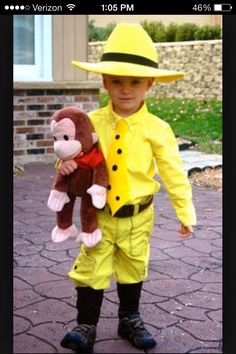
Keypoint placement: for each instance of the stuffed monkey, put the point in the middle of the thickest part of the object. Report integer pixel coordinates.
(74, 138)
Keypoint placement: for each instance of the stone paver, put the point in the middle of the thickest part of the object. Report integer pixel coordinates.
(196, 159)
(181, 302)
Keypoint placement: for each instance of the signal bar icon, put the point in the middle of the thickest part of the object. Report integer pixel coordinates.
(70, 6)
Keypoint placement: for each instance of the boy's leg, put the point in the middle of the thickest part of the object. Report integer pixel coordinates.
(89, 302)
(131, 325)
(91, 274)
(83, 336)
(130, 269)
(129, 296)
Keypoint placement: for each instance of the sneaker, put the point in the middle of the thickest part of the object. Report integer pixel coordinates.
(81, 339)
(132, 328)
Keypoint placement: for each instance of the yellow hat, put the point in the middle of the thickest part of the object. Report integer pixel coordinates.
(129, 51)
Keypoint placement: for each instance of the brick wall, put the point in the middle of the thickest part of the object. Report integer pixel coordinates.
(33, 109)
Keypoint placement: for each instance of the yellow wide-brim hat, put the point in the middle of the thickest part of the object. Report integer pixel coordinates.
(129, 51)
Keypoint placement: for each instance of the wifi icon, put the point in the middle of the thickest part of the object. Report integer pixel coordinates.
(70, 6)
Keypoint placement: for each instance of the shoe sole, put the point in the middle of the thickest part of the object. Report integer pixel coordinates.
(144, 346)
(74, 345)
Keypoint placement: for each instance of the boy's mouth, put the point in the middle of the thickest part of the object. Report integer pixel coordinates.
(125, 98)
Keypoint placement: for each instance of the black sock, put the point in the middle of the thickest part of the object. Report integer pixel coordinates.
(89, 302)
(129, 296)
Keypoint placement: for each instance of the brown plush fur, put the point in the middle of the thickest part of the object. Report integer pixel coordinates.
(77, 183)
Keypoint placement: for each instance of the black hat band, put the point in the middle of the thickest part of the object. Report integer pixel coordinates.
(129, 58)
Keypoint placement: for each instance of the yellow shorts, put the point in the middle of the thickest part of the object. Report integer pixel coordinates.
(123, 252)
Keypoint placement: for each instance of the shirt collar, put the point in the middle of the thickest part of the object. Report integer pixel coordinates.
(131, 120)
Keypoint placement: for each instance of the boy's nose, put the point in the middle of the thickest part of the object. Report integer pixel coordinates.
(126, 88)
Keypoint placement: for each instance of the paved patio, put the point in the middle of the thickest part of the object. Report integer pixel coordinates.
(182, 298)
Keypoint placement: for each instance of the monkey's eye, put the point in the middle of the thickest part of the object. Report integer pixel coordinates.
(66, 137)
(55, 139)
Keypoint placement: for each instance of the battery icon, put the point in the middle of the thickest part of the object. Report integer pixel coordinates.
(222, 7)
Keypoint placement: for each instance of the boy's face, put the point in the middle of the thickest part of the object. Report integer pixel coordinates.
(126, 92)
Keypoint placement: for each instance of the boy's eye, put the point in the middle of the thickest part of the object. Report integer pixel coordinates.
(135, 82)
(115, 82)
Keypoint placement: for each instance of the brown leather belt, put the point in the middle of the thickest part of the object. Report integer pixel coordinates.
(130, 209)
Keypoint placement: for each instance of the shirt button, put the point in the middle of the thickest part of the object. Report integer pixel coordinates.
(119, 151)
(117, 197)
(109, 187)
(117, 136)
(114, 167)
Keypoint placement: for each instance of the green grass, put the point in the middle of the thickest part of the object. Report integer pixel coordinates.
(198, 121)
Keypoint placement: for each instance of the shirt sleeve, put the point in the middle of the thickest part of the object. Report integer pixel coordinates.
(171, 171)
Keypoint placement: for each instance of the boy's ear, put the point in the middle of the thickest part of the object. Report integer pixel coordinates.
(104, 82)
(150, 83)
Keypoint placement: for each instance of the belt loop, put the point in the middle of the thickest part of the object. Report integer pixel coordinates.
(136, 209)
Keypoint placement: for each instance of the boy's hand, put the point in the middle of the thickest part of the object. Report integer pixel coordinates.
(185, 231)
(67, 167)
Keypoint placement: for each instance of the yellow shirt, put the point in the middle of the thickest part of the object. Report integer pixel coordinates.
(150, 146)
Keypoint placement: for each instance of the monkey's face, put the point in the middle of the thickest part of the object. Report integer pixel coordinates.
(65, 145)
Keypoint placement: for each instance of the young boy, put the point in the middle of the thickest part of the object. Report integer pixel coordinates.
(134, 142)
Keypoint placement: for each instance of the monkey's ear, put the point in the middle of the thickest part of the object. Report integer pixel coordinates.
(94, 137)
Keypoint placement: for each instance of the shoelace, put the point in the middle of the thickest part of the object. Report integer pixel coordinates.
(137, 323)
(82, 328)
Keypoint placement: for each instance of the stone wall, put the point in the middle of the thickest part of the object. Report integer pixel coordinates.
(33, 109)
(200, 60)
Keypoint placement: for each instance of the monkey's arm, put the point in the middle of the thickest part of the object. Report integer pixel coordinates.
(58, 196)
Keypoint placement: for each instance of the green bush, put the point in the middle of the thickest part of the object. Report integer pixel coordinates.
(155, 29)
(160, 32)
(171, 32)
(99, 33)
(185, 32)
(109, 28)
(208, 32)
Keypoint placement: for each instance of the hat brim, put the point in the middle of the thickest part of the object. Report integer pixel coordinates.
(130, 69)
